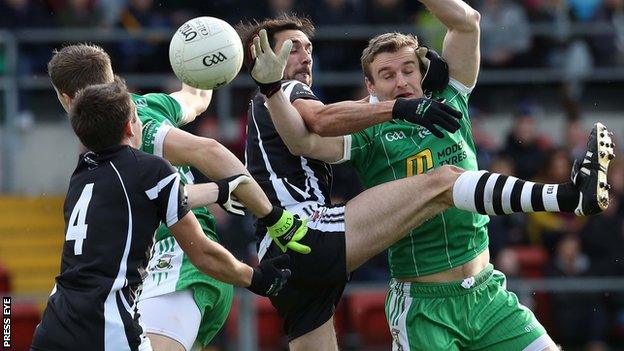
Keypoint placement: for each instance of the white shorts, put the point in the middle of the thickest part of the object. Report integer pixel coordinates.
(174, 315)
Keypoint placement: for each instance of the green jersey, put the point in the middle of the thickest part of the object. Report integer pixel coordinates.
(159, 113)
(398, 149)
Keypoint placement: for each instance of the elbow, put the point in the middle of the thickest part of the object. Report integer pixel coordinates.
(206, 98)
(202, 149)
(473, 20)
(211, 148)
(297, 150)
(467, 21)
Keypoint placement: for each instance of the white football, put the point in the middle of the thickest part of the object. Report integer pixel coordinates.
(206, 53)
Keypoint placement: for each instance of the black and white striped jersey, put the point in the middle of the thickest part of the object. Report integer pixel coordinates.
(292, 182)
(115, 202)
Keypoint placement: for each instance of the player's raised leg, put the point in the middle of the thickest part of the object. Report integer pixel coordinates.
(587, 193)
(380, 216)
(383, 214)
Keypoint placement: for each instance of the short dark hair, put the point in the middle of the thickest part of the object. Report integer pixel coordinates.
(75, 67)
(99, 114)
(248, 30)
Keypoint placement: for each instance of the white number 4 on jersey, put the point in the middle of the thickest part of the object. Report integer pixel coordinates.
(77, 226)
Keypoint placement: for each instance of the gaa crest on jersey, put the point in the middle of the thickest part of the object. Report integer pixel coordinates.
(423, 132)
(163, 263)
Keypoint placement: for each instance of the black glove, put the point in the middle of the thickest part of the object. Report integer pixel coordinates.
(436, 75)
(270, 276)
(427, 113)
(225, 199)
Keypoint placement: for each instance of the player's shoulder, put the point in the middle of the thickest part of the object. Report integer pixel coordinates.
(152, 99)
(455, 87)
(295, 89)
(147, 162)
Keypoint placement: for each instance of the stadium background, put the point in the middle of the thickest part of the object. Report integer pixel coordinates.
(550, 68)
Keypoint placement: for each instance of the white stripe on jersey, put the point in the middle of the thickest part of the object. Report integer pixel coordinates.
(114, 332)
(283, 196)
(313, 181)
(153, 192)
(172, 205)
(328, 219)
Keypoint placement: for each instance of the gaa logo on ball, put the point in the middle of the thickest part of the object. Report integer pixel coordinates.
(206, 53)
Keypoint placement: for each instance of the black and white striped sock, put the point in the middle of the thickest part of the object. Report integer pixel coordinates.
(496, 194)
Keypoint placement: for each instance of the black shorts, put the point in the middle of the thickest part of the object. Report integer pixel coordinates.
(318, 279)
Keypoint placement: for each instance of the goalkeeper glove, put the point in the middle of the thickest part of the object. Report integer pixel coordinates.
(270, 276)
(225, 199)
(427, 113)
(267, 68)
(436, 73)
(288, 230)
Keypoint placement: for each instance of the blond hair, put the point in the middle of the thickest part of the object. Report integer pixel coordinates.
(388, 42)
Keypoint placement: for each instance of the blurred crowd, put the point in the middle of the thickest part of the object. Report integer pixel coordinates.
(508, 38)
(515, 34)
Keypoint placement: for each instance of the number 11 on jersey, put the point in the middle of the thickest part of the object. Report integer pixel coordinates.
(77, 226)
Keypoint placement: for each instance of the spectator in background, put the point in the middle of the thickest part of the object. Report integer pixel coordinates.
(615, 13)
(26, 14)
(548, 228)
(277, 7)
(549, 48)
(524, 145)
(617, 183)
(572, 312)
(584, 10)
(484, 143)
(575, 138)
(505, 231)
(603, 236)
(33, 58)
(80, 13)
(23, 14)
(387, 12)
(508, 263)
(139, 55)
(505, 34)
(603, 240)
(338, 54)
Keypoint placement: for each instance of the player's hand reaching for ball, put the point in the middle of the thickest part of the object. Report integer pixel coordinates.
(268, 68)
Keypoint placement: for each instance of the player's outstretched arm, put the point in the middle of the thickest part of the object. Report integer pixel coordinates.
(295, 134)
(336, 119)
(461, 43)
(219, 192)
(214, 260)
(216, 162)
(193, 101)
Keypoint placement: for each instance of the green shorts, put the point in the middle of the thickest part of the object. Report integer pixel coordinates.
(170, 270)
(477, 313)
